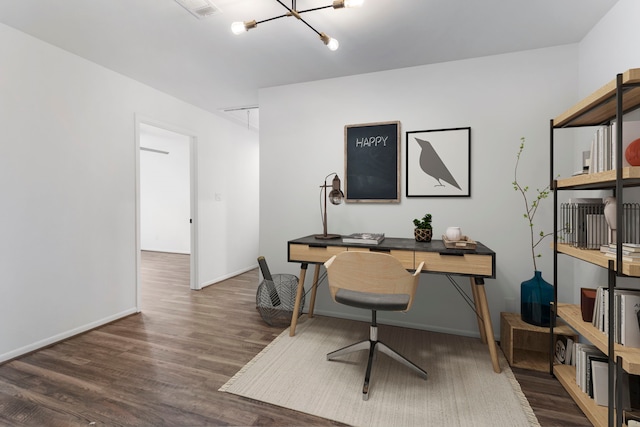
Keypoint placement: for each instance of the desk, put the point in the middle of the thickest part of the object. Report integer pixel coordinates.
(476, 264)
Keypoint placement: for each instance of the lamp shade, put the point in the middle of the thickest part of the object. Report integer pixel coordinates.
(336, 195)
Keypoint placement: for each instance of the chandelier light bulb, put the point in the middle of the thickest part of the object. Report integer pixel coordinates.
(242, 27)
(333, 44)
(238, 28)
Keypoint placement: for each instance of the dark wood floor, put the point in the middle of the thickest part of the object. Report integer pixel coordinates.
(165, 365)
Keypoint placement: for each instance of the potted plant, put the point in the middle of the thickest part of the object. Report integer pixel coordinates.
(536, 293)
(423, 231)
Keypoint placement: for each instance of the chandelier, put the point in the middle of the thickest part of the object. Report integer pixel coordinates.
(332, 44)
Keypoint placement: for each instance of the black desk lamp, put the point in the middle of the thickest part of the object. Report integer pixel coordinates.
(335, 196)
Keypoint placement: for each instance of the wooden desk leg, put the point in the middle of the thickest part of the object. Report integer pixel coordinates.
(296, 306)
(314, 289)
(483, 306)
(476, 298)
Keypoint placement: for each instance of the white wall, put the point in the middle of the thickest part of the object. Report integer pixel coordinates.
(68, 188)
(501, 98)
(165, 191)
(611, 47)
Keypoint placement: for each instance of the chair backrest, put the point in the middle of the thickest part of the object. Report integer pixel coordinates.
(373, 272)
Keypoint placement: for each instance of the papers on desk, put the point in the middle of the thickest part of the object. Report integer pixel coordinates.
(364, 238)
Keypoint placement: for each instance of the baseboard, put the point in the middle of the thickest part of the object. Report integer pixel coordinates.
(228, 276)
(63, 336)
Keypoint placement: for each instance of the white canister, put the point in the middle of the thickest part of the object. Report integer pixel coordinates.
(453, 233)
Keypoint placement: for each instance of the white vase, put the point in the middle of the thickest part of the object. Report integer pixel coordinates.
(453, 233)
(610, 217)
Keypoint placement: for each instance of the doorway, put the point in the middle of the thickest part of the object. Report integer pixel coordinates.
(166, 194)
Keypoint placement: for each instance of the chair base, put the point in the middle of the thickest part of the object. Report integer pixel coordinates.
(372, 344)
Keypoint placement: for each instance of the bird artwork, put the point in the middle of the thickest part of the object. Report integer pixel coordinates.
(432, 165)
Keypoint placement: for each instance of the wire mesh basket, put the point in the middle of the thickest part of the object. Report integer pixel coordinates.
(276, 298)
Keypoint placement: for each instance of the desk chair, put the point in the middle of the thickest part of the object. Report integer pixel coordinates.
(373, 281)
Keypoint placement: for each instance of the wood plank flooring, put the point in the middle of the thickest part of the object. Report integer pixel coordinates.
(165, 365)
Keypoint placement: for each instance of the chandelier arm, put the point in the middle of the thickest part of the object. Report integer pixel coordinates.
(271, 19)
(297, 15)
(290, 9)
(314, 9)
(309, 25)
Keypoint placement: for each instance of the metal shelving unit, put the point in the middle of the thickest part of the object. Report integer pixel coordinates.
(610, 102)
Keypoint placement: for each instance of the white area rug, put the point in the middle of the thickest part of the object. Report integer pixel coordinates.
(462, 389)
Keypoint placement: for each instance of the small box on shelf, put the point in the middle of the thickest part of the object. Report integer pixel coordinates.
(587, 301)
(527, 346)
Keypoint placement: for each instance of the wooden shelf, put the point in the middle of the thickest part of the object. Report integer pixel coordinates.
(598, 415)
(598, 258)
(600, 106)
(527, 346)
(601, 180)
(572, 315)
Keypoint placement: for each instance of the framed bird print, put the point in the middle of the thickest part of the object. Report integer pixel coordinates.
(439, 163)
(372, 162)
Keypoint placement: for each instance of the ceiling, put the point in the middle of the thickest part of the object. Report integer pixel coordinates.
(200, 61)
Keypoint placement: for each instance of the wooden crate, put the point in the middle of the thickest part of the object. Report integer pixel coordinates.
(527, 346)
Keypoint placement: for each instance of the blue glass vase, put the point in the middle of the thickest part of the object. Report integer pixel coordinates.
(536, 295)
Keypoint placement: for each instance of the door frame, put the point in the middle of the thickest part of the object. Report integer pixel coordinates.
(193, 200)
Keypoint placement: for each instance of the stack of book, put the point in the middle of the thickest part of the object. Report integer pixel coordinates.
(630, 251)
(592, 372)
(626, 304)
(604, 145)
(592, 376)
(364, 238)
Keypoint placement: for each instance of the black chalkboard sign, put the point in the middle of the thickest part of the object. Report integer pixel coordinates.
(372, 162)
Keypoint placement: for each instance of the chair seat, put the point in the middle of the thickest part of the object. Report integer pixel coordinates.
(371, 301)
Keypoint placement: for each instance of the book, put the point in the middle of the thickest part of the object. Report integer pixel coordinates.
(593, 361)
(588, 351)
(364, 238)
(600, 376)
(626, 247)
(628, 258)
(599, 308)
(586, 200)
(608, 249)
(582, 363)
(630, 324)
(569, 359)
